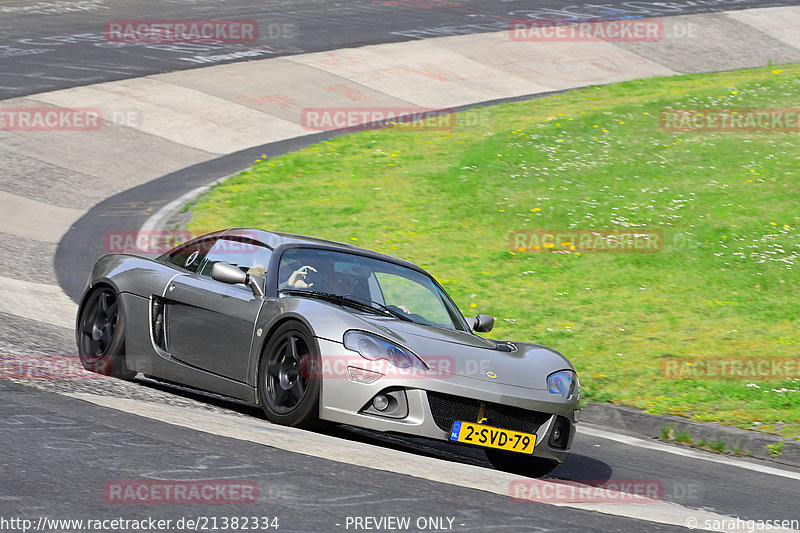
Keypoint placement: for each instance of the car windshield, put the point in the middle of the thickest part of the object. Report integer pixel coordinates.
(385, 287)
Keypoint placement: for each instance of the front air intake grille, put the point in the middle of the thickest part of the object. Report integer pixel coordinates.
(446, 409)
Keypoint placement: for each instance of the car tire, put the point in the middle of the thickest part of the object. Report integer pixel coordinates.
(287, 391)
(101, 334)
(517, 463)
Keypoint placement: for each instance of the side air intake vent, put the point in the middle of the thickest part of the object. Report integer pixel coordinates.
(157, 324)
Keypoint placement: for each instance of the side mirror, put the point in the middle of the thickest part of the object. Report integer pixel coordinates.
(481, 323)
(225, 273)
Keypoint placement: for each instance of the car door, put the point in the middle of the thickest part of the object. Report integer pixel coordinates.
(210, 324)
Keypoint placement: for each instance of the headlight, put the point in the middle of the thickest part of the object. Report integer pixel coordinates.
(374, 347)
(563, 382)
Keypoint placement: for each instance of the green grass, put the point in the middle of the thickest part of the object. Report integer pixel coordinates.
(775, 449)
(683, 436)
(716, 445)
(725, 285)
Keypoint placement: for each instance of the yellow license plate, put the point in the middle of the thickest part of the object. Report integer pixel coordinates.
(492, 437)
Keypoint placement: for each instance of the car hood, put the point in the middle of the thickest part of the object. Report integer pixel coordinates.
(465, 354)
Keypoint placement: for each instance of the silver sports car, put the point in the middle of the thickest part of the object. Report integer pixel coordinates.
(317, 331)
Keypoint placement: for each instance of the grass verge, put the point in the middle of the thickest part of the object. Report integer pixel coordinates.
(637, 326)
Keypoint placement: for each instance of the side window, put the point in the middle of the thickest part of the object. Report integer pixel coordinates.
(248, 255)
(190, 255)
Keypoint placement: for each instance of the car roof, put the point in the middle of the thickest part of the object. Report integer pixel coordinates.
(273, 239)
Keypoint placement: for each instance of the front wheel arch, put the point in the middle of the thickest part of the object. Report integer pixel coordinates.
(305, 414)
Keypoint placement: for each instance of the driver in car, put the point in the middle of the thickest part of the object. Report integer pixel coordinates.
(323, 281)
(343, 284)
(298, 279)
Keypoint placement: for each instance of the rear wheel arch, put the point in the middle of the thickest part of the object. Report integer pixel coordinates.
(111, 360)
(87, 294)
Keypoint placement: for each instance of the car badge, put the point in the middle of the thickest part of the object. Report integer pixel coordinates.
(491, 374)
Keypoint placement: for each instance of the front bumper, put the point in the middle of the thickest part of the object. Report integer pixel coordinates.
(345, 401)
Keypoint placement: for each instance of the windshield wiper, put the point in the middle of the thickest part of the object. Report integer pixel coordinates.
(352, 301)
(385, 308)
(338, 298)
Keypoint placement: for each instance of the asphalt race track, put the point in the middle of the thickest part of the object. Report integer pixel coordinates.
(53, 45)
(64, 442)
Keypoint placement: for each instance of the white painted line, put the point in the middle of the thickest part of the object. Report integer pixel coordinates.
(385, 459)
(687, 452)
